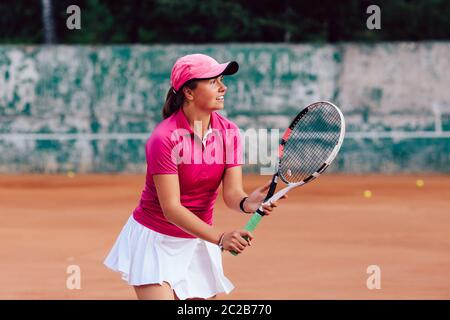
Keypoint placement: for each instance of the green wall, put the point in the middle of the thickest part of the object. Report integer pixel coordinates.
(91, 108)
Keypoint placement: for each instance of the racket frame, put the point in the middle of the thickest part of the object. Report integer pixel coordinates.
(322, 168)
(271, 197)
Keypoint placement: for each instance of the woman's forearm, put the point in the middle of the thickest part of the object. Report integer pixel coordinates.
(233, 199)
(188, 221)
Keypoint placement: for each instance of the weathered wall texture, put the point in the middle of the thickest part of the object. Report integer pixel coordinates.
(90, 109)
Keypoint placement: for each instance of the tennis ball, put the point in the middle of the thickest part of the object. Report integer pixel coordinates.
(367, 193)
(71, 174)
(420, 183)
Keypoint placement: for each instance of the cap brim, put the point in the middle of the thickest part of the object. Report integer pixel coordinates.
(231, 68)
(226, 69)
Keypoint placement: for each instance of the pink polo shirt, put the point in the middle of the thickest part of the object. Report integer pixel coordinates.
(174, 149)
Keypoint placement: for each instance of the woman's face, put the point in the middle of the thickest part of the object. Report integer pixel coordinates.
(209, 94)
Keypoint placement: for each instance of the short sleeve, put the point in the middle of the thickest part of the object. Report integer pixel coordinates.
(233, 147)
(159, 155)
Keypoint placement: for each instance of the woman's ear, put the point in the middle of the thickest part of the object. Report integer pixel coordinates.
(188, 93)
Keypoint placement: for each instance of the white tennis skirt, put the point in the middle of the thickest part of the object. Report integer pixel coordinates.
(192, 267)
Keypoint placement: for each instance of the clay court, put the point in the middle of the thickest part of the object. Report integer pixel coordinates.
(317, 245)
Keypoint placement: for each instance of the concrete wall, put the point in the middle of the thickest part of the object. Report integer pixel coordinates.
(91, 108)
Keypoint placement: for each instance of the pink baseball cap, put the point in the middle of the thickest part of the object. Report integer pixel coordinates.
(199, 66)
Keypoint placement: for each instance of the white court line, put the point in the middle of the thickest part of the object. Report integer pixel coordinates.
(145, 136)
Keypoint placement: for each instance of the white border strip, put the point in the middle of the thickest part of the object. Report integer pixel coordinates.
(145, 136)
(74, 136)
(398, 134)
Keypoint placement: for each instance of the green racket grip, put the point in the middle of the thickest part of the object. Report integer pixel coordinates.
(253, 222)
(250, 226)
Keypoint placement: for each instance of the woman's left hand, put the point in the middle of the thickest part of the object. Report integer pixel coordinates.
(254, 200)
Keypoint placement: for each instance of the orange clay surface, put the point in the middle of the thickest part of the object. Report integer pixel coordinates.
(317, 245)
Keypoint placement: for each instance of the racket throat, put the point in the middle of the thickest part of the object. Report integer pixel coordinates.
(273, 186)
(281, 193)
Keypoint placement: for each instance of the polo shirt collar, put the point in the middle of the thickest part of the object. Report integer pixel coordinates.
(182, 122)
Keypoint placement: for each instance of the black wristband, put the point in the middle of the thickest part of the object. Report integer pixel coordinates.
(241, 205)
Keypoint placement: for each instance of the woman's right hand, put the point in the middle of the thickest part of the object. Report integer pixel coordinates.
(234, 240)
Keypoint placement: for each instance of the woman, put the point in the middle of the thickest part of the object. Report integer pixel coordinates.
(169, 248)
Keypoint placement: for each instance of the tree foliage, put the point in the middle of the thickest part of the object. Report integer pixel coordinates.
(219, 21)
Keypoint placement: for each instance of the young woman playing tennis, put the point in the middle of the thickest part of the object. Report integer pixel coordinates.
(169, 248)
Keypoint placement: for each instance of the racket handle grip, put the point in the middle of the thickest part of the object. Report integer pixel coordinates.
(250, 226)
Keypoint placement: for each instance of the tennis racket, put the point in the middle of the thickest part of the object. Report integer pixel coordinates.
(307, 148)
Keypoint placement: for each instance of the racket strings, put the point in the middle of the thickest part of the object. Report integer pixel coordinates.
(314, 146)
(310, 143)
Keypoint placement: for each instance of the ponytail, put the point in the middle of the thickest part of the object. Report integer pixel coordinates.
(175, 100)
(172, 104)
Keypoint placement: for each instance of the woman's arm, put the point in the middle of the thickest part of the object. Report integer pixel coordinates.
(168, 189)
(233, 192)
